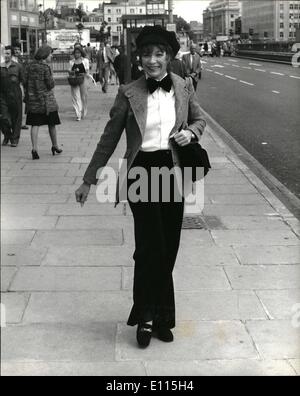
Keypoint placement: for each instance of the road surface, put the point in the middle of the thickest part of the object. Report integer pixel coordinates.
(258, 104)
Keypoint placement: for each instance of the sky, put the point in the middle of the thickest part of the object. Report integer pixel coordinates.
(190, 10)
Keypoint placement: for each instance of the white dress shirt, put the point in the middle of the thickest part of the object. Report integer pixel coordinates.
(161, 117)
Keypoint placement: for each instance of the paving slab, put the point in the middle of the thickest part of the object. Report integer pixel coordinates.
(88, 209)
(66, 279)
(16, 237)
(77, 307)
(264, 277)
(16, 255)
(7, 274)
(206, 255)
(254, 237)
(103, 236)
(268, 254)
(59, 342)
(280, 304)
(218, 305)
(222, 368)
(189, 278)
(295, 363)
(34, 198)
(15, 305)
(19, 180)
(238, 210)
(275, 339)
(94, 222)
(91, 256)
(193, 341)
(72, 369)
(253, 223)
(28, 223)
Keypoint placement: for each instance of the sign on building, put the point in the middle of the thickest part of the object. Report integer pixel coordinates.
(171, 27)
(64, 39)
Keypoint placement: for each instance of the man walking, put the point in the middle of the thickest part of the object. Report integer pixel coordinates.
(105, 57)
(11, 98)
(192, 62)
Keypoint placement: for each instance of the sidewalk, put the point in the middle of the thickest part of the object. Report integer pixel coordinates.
(67, 271)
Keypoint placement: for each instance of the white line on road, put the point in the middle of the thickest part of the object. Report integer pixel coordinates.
(277, 74)
(236, 66)
(260, 70)
(218, 66)
(295, 77)
(245, 82)
(247, 67)
(231, 78)
(220, 74)
(232, 60)
(209, 70)
(254, 64)
(276, 92)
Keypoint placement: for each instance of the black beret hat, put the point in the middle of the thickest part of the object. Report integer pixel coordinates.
(157, 35)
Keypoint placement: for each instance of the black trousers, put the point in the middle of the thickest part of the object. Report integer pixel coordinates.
(157, 228)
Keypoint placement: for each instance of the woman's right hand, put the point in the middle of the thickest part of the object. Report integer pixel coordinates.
(82, 193)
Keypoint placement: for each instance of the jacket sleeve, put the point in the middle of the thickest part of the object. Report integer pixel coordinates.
(109, 139)
(196, 122)
(48, 78)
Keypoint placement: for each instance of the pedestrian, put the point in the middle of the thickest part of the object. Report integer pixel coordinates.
(192, 62)
(42, 108)
(11, 98)
(120, 63)
(104, 58)
(151, 110)
(18, 59)
(80, 66)
(89, 52)
(178, 67)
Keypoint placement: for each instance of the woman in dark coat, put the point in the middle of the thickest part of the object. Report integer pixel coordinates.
(42, 108)
(160, 113)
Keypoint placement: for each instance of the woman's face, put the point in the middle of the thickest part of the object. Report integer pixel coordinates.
(155, 62)
(49, 57)
(77, 54)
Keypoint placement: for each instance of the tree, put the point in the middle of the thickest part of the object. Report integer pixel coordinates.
(181, 24)
(79, 12)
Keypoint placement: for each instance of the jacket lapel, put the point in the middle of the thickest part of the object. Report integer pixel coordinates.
(137, 95)
(181, 94)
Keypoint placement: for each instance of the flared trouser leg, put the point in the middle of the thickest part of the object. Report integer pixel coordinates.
(157, 227)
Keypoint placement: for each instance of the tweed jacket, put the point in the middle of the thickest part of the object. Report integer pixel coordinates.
(39, 84)
(129, 112)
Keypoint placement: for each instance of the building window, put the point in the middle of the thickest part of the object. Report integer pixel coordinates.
(118, 19)
(109, 11)
(281, 6)
(119, 28)
(281, 16)
(118, 11)
(141, 10)
(281, 25)
(291, 34)
(232, 24)
(131, 10)
(291, 6)
(232, 16)
(108, 19)
(281, 34)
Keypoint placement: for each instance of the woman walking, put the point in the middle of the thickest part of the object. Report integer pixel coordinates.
(42, 108)
(160, 114)
(79, 65)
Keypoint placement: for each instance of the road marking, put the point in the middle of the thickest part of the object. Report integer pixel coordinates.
(276, 92)
(260, 70)
(236, 66)
(277, 74)
(209, 70)
(232, 60)
(218, 66)
(203, 61)
(247, 67)
(245, 82)
(220, 74)
(231, 78)
(295, 77)
(254, 64)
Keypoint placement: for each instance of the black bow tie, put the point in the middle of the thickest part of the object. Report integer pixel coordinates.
(166, 84)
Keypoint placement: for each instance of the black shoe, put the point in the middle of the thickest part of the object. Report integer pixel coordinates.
(34, 155)
(143, 335)
(24, 127)
(5, 141)
(55, 150)
(13, 144)
(163, 333)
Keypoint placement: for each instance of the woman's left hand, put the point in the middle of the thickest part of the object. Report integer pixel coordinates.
(183, 138)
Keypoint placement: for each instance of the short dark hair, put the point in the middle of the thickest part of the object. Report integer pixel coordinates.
(9, 47)
(148, 48)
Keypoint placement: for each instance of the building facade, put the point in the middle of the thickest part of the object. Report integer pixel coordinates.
(219, 18)
(20, 24)
(112, 13)
(273, 20)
